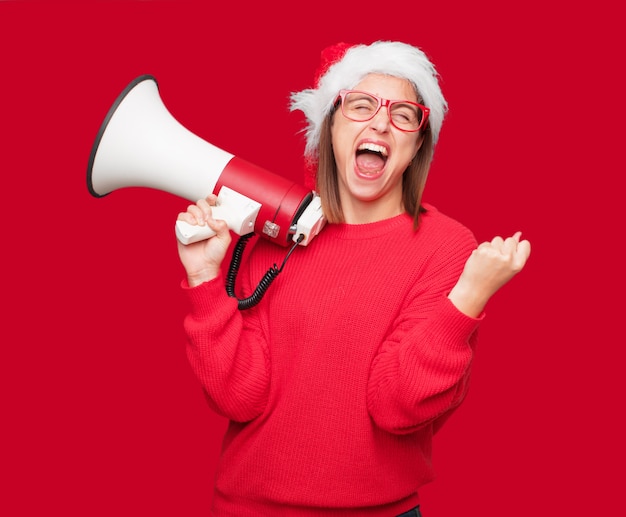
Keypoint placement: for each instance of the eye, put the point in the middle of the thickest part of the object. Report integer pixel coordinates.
(359, 103)
(361, 106)
(404, 113)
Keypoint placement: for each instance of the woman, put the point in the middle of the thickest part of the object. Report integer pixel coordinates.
(335, 383)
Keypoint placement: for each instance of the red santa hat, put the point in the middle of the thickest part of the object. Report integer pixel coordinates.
(343, 66)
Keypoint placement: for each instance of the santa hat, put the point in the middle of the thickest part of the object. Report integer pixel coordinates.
(343, 66)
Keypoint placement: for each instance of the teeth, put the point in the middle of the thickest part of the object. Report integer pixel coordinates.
(373, 147)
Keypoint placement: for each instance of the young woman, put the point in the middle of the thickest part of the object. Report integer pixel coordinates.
(335, 383)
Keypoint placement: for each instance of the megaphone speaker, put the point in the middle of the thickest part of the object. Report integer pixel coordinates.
(140, 144)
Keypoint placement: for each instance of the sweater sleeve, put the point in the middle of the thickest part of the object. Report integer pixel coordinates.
(227, 352)
(421, 371)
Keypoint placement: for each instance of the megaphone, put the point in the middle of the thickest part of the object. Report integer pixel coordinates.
(140, 144)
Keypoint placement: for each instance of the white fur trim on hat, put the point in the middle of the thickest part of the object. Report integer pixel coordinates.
(383, 57)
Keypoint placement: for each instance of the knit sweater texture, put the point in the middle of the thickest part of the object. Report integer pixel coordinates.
(335, 383)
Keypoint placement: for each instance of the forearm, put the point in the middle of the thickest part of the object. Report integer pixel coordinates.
(231, 363)
(422, 376)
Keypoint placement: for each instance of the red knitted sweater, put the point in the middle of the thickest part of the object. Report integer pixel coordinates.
(336, 381)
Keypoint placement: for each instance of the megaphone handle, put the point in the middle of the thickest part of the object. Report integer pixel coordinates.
(190, 233)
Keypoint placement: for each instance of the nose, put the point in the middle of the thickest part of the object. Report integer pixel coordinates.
(380, 121)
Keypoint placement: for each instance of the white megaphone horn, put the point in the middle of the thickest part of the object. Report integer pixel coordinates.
(140, 144)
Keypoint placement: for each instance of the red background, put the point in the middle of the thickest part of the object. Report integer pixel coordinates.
(101, 414)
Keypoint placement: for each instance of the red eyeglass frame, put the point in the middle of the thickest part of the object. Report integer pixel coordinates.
(384, 102)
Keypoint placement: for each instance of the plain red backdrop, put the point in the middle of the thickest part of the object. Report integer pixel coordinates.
(101, 414)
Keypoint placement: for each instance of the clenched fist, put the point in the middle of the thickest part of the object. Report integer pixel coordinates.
(491, 265)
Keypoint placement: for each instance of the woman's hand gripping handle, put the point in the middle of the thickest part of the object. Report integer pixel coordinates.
(202, 259)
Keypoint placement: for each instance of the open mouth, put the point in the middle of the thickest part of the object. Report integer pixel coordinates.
(371, 158)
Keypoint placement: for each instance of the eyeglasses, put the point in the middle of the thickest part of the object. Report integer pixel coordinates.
(362, 106)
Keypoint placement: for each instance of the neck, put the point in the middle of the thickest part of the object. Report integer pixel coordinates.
(363, 212)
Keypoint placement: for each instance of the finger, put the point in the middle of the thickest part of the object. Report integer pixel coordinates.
(205, 207)
(187, 217)
(511, 243)
(218, 225)
(221, 229)
(203, 204)
(497, 241)
(523, 250)
(193, 215)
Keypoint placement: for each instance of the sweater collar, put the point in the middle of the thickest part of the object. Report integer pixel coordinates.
(368, 230)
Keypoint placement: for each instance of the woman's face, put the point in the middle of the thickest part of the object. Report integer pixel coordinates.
(371, 156)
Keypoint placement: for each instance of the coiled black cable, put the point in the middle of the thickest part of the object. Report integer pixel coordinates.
(266, 281)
